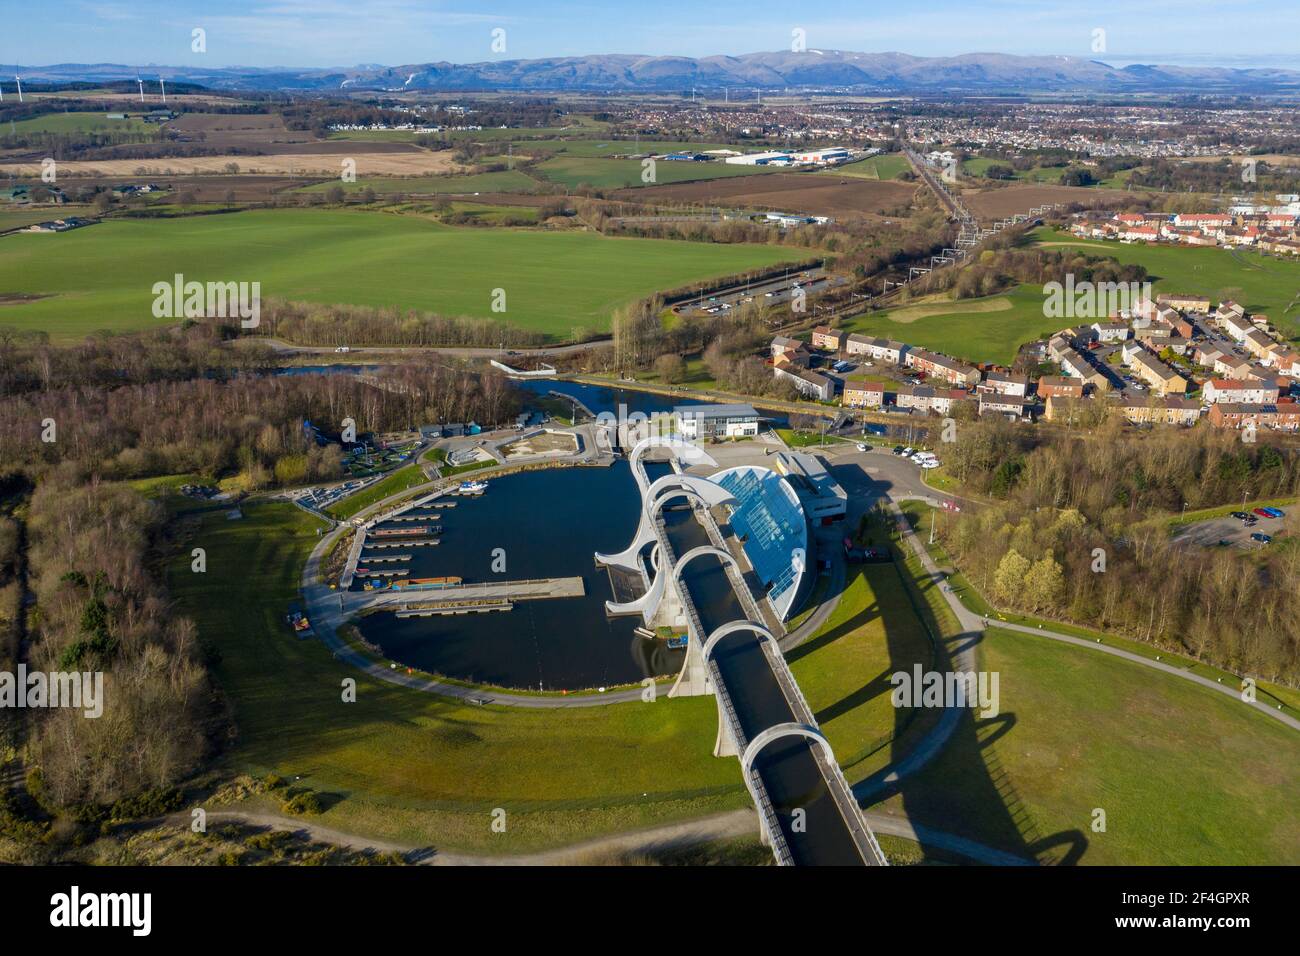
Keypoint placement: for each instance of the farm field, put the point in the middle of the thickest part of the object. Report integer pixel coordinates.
(1260, 283)
(505, 181)
(102, 278)
(600, 173)
(17, 216)
(989, 329)
(78, 123)
(876, 167)
(812, 193)
(1185, 775)
(301, 162)
(996, 203)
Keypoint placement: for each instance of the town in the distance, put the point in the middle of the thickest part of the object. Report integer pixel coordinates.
(801, 458)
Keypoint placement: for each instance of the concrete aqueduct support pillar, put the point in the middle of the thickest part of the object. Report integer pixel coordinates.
(693, 681)
(725, 744)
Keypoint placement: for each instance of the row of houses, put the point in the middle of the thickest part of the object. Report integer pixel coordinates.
(1279, 415)
(1274, 232)
(933, 364)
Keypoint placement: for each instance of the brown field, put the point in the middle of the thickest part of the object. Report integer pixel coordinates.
(370, 162)
(267, 134)
(847, 198)
(997, 203)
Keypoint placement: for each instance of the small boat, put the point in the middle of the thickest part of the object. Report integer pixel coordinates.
(473, 487)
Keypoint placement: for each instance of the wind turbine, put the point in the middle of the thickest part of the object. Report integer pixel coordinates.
(163, 84)
(140, 83)
(18, 80)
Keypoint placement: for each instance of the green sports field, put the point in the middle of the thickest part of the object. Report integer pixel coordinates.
(1260, 283)
(102, 277)
(990, 329)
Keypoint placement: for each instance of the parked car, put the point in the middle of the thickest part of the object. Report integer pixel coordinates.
(1240, 515)
(1263, 512)
(863, 446)
(898, 449)
(1261, 537)
(1250, 521)
(908, 452)
(1275, 512)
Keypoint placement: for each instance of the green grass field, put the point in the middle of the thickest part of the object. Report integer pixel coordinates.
(843, 669)
(412, 767)
(408, 476)
(103, 277)
(1185, 775)
(573, 171)
(875, 167)
(1259, 283)
(15, 217)
(76, 123)
(990, 329)
(505, 181)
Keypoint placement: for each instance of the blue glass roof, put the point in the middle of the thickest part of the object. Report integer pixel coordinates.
(768, 516)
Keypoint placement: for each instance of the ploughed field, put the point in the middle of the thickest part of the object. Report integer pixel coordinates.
(102, 276)
(814, 193)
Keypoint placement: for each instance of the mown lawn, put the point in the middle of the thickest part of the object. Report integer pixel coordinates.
(843, 669)
(408, 476)
(989, 329)
(1184, 775)
(412, 767)
(1258, 282)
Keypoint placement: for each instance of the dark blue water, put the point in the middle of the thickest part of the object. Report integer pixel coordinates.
(549, 524)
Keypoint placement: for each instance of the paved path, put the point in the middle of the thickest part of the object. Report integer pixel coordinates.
(972, 622)
(719, 826)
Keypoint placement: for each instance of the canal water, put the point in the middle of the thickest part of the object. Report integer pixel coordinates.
(549, 523)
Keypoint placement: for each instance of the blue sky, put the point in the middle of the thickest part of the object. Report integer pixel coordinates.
(350, 32)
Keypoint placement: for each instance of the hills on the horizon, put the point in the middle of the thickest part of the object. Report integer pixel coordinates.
(768, 71)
